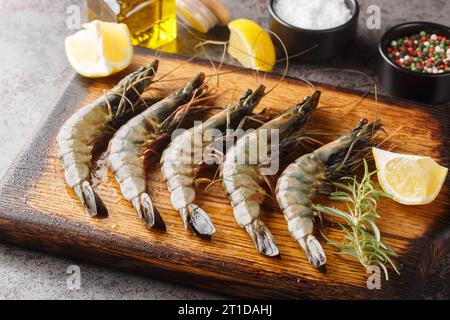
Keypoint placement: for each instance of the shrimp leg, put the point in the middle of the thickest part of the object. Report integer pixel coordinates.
(129, 144)
(77, 136)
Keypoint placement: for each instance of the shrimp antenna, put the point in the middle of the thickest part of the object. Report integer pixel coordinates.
(300, 53)
(176, 68)
(212, 65)
(216, 70)
(357, 101)
(287, 58)
(253, 46)
(392, 134)
(286, 68)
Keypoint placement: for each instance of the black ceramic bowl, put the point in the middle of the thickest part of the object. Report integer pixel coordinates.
(404, 83)
(327, 43)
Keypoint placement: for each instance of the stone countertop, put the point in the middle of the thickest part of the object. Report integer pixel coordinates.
(35, 73)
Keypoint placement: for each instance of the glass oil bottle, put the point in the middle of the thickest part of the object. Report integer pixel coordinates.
(152, 23)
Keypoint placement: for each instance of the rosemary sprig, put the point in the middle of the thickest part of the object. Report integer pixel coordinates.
(363, 237)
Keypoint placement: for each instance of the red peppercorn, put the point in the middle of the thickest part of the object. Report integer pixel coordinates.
(431, 50)
(424, 38)
(410, 49)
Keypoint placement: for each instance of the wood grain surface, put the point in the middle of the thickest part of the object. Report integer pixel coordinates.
(37, 210)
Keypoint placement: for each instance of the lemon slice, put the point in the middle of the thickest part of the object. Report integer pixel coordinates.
(100, 49)
(251, 45)
(410, 179)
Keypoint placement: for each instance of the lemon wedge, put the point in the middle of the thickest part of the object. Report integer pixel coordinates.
(100, 49)
(411, 179)
(251, 45)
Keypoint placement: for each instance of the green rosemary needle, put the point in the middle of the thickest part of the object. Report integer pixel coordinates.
(363, 239)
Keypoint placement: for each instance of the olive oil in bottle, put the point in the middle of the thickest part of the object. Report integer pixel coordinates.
(152, 23)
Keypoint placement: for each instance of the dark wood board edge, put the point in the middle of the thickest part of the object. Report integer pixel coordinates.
(33, 164)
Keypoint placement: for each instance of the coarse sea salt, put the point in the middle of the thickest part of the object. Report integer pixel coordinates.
(313, 14)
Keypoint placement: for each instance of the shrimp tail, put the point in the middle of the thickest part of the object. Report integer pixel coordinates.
(90, 200)
(148, 213)
(199, 220)
(314, 251)
(262, 238)
(184, 217)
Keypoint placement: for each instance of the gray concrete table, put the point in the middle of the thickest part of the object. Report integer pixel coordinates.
(34, 74)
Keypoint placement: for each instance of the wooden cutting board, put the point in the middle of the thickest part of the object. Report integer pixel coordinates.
(38, 211)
